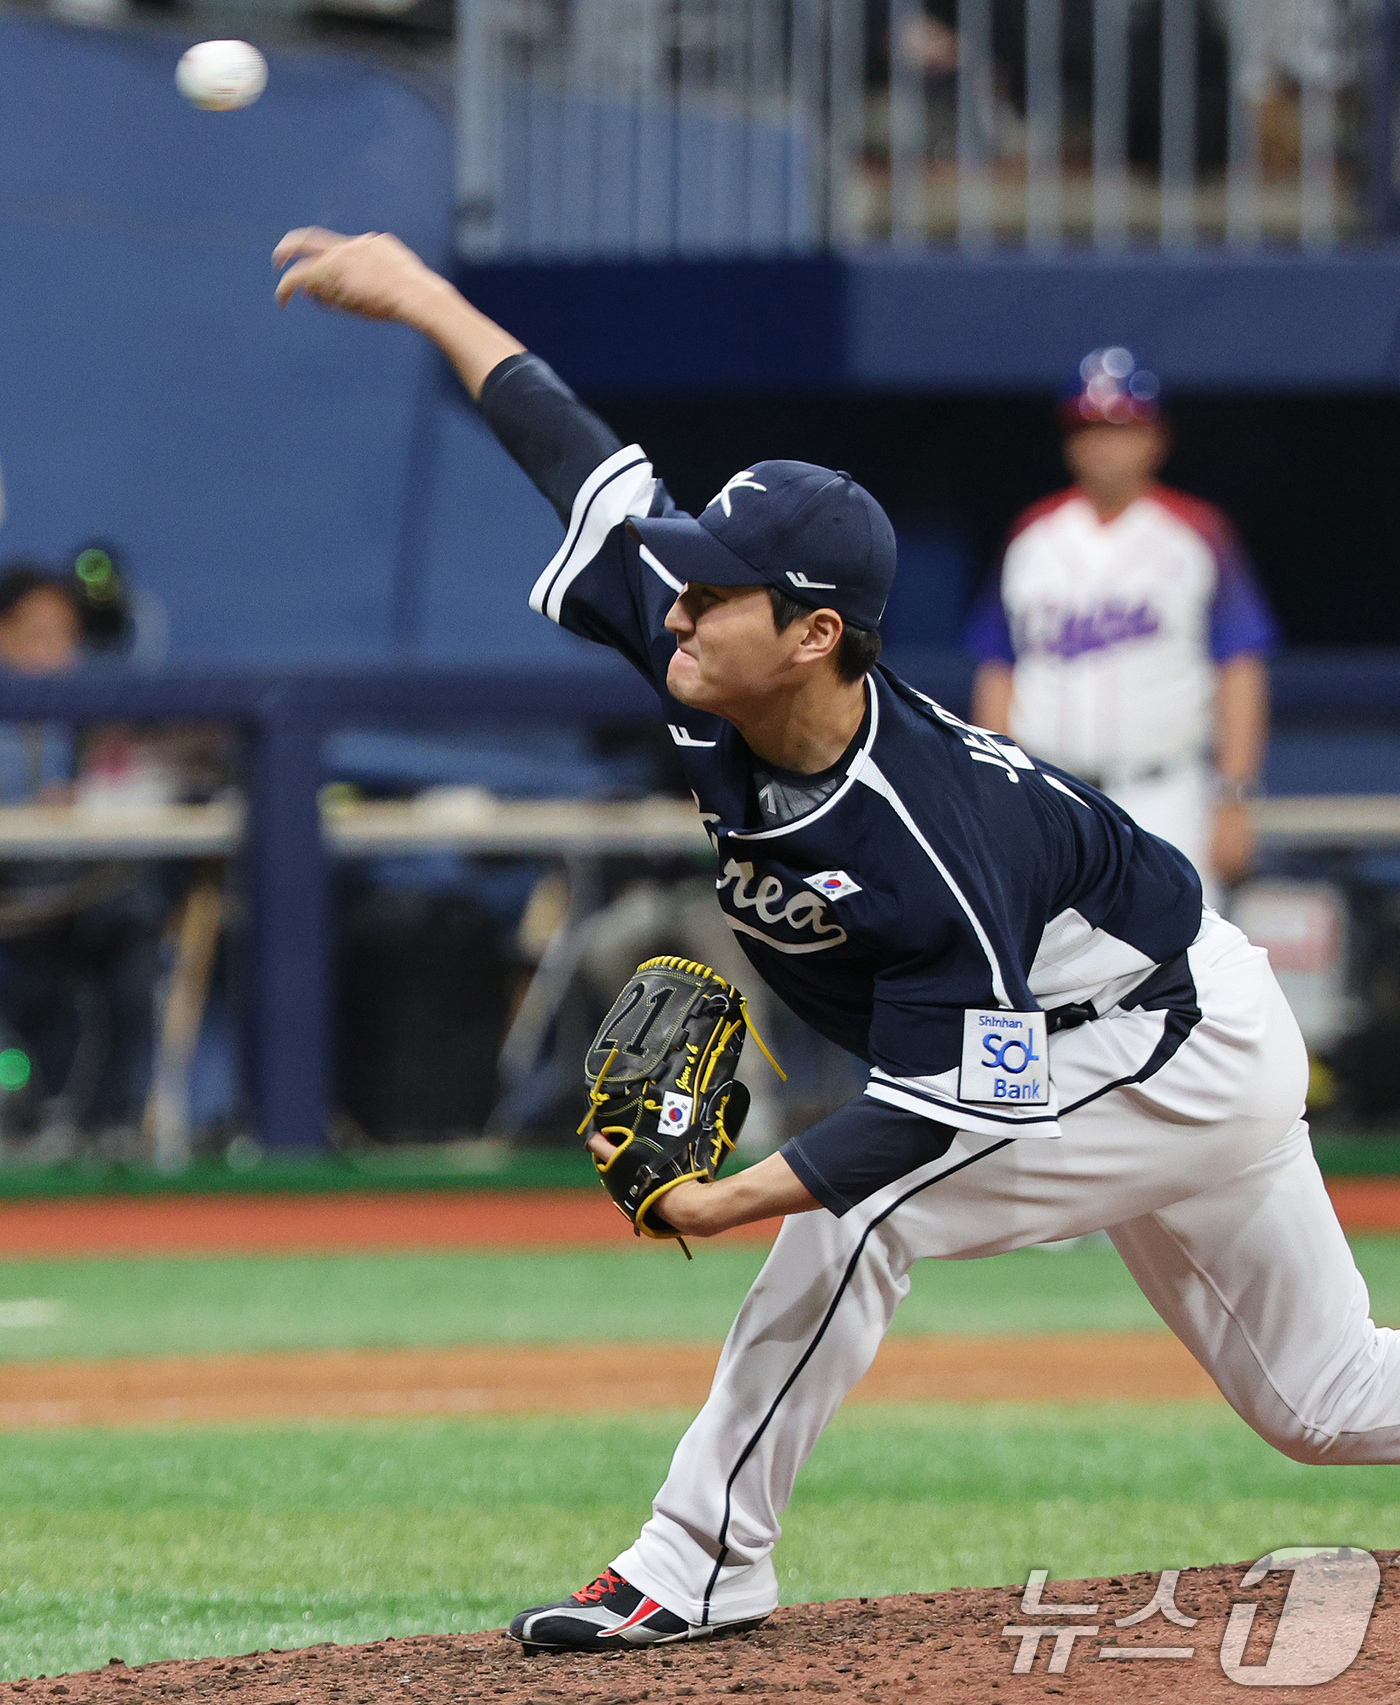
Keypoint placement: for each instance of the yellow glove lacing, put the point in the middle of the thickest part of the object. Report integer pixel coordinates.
(723, 1143)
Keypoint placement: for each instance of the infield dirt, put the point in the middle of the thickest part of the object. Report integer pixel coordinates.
(409, 1219)
(947, 1645)
(476, 1379)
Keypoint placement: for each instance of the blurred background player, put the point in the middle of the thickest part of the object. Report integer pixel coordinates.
(1125, 637)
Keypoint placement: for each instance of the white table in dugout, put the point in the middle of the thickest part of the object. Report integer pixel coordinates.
(582, 833)
(537, 828)
(511, 828)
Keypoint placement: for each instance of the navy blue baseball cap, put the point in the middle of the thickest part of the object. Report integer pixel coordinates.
(810, 532)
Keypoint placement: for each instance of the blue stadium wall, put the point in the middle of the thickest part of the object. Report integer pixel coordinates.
(264, 472)
(301, 487)
(1207, 321)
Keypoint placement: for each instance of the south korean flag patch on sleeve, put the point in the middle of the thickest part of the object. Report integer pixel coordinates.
(833, 884)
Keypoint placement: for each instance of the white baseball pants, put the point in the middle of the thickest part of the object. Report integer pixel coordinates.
(1204, 1179)
(1180, 807)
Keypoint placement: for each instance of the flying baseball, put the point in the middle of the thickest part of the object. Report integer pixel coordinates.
(221, 76)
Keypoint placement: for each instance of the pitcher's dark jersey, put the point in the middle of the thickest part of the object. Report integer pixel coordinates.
(946, 873)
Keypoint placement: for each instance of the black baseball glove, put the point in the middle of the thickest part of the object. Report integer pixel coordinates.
(661, 1085)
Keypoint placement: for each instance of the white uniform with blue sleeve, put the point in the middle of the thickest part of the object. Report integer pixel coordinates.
(1113, 631)
(1057, 1039)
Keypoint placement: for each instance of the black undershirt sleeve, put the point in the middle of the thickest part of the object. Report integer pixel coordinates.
(555, 438)
(862, 1146)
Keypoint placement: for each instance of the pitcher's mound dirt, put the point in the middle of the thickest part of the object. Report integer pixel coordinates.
(915, 1648)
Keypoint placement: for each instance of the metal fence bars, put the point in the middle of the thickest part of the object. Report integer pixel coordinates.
(654, 127)
(644, 128)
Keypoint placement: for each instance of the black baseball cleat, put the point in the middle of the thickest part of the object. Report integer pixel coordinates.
(610, 1615)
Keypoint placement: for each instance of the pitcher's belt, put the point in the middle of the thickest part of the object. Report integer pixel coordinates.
(1069, 1017)
(1131, 776)
(1168, 984)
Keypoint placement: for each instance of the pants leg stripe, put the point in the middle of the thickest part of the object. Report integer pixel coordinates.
(811, 1350)
(1176, 1031)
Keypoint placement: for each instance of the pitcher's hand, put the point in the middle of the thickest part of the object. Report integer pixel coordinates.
(600, 1148)
(374, 275)
(764, 1191)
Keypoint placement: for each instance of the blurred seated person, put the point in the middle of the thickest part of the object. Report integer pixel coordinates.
(135, 764)
(78, 940)
(40, 634)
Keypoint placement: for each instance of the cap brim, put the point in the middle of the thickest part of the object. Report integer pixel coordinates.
(691, 553)
(1073, 415)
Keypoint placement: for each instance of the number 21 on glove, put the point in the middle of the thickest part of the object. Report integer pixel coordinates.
(661, 1085)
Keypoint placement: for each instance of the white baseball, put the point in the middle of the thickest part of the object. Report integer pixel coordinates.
(221, 76)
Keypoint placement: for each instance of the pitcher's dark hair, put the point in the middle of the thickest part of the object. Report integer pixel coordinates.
(857, 651)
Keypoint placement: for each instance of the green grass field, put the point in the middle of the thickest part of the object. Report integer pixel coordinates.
(160, 1543)
(198, 1540)
(189, 1305)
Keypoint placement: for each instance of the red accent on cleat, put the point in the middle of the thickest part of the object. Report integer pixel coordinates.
(640, 1614)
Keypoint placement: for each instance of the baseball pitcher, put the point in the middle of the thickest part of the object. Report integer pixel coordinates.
(1059, 1038)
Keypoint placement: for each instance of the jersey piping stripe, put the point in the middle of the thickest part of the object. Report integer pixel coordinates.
(601, 505)
(874, 779)
(920, 1101)
(1069, 793)
(660, 570)
(852, 775)
(1178, 1023)
(629, 492)
(605, 470)
(723, 1536)
(1177, 1026)
(627, 457)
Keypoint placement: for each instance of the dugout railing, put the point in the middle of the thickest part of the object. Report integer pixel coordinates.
(632, 129)
(285, 716)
